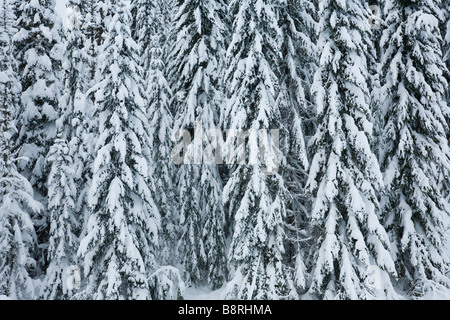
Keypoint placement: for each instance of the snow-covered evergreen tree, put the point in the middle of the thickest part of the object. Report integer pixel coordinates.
(163, 168)
(101, 14)
(190, 246)
(88, 23)
(76, 122)
(255, 196)
(64, 223)
(17, 234)
(122, 238)
(143, 15)
(76, 76)
(149, 31)
(376, 24)
(72, 154)
(195, 70)
(447, 51)
(415, 155)
(166, 284)
(93, 14)
(447, 42)
(349, 240)
(295, 105)
(38, 50)
(76, 69)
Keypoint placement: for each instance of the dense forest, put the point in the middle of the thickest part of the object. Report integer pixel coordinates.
(261, 149)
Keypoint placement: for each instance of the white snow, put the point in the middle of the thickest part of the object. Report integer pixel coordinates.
(203, 293)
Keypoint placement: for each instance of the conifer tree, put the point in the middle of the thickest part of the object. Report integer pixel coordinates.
(76, 122)
(89, 23)
(64, 223)
(38, 50)
(374, 58)
(162, 169)
(447, 52)
(344, 175)
(143, 13)
(255, 196)
(415, 155)
(196, 70)
(122, 236)
(295, 105)
(447, 42)
(17, 234)
(149, 32)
